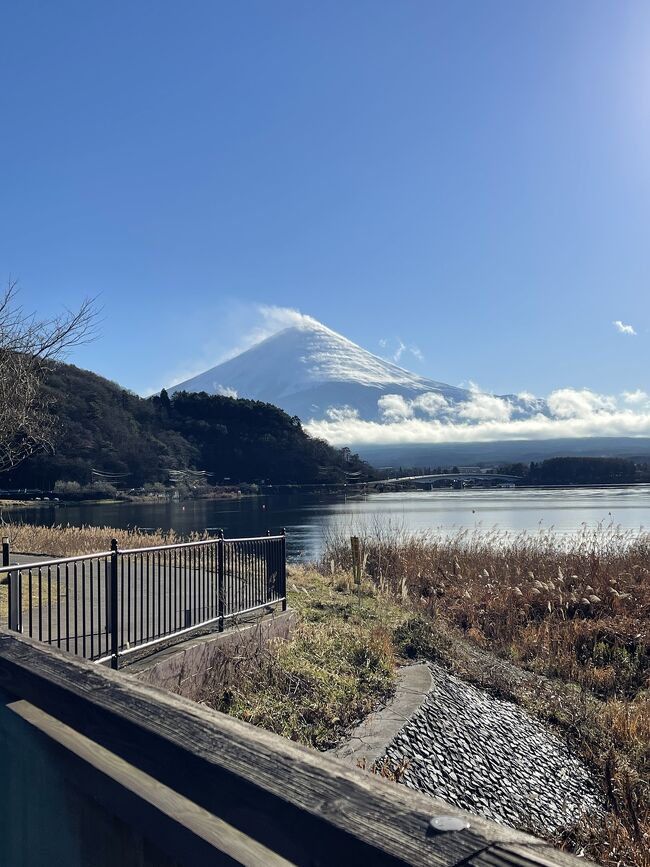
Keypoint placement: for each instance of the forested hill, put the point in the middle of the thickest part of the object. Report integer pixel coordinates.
(104, 427)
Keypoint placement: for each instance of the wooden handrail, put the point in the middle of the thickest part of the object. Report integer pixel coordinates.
(241, 783)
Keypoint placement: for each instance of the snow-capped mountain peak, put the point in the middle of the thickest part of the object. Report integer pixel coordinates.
(311, 371)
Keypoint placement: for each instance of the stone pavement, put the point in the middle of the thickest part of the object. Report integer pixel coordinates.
(490, 757)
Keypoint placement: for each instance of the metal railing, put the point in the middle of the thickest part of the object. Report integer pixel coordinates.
(106, 605)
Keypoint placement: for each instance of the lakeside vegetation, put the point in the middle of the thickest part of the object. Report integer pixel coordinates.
(97, 425)
(559, 625)
(579, 471)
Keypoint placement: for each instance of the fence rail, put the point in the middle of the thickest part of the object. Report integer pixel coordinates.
(106, 605)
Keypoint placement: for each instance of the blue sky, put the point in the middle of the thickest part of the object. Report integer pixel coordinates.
(469, 178)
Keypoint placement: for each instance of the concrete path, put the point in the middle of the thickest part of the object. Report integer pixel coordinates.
(371, 738)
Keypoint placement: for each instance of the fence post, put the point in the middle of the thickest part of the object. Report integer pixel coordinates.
(283, 568)
(5, 551)
(268, 560)
(15, 608)
(113, 605)
(220, 581)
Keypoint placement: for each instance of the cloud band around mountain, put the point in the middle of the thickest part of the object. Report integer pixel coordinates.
(572, 413)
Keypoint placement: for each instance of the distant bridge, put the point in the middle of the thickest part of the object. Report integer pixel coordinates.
(461, 477)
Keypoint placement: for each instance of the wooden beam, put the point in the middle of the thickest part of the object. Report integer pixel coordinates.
(168, 805)
(297, 803)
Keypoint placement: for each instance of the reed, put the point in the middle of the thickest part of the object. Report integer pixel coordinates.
(64, 540)
(574, 607)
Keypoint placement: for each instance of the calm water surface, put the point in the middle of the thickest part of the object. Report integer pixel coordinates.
(309, 517)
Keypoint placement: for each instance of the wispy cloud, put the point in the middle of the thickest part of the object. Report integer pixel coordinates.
(250, 324)
(401, 349)
(622, 328)
(571, 413)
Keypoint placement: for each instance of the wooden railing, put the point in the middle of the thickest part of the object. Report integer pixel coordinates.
(100, 769)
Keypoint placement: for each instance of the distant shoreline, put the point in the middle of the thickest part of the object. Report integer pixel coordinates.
(40, 502)
(10, 503)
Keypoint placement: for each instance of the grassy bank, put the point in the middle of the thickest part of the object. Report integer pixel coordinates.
(338, 666)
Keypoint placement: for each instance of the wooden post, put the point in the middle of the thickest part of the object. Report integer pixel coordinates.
(356, 563)
(356, 559)
(5, 551)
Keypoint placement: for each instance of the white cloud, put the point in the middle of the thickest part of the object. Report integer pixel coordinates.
(573, 413)
(399, 351)
(431, 403)
(622, 328)
(623, 423)
(224, 390)
(342, 413)
(485, 407)
(578, 403)
(636, 397)
(394, 407)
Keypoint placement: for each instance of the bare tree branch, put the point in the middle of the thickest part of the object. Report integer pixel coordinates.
(28, 346)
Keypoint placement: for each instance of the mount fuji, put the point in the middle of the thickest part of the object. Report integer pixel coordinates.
(314, 373)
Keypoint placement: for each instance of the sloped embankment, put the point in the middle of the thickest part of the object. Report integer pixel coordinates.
(490, 757)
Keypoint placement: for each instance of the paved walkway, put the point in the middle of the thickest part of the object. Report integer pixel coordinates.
(371, 738)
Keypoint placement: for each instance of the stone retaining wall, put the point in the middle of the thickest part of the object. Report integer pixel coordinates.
(490, 757)
(186, 668)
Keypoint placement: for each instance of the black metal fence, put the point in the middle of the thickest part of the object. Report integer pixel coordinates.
(106, 605)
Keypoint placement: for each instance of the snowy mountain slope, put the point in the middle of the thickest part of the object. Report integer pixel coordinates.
(312, 372)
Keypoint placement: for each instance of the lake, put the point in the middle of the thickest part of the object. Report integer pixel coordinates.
(308, 517)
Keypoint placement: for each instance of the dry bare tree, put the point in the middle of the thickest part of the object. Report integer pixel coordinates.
(28, 346)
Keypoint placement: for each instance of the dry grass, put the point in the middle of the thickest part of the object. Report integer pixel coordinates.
(66, 541)
(576, 608)
(573, 611)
